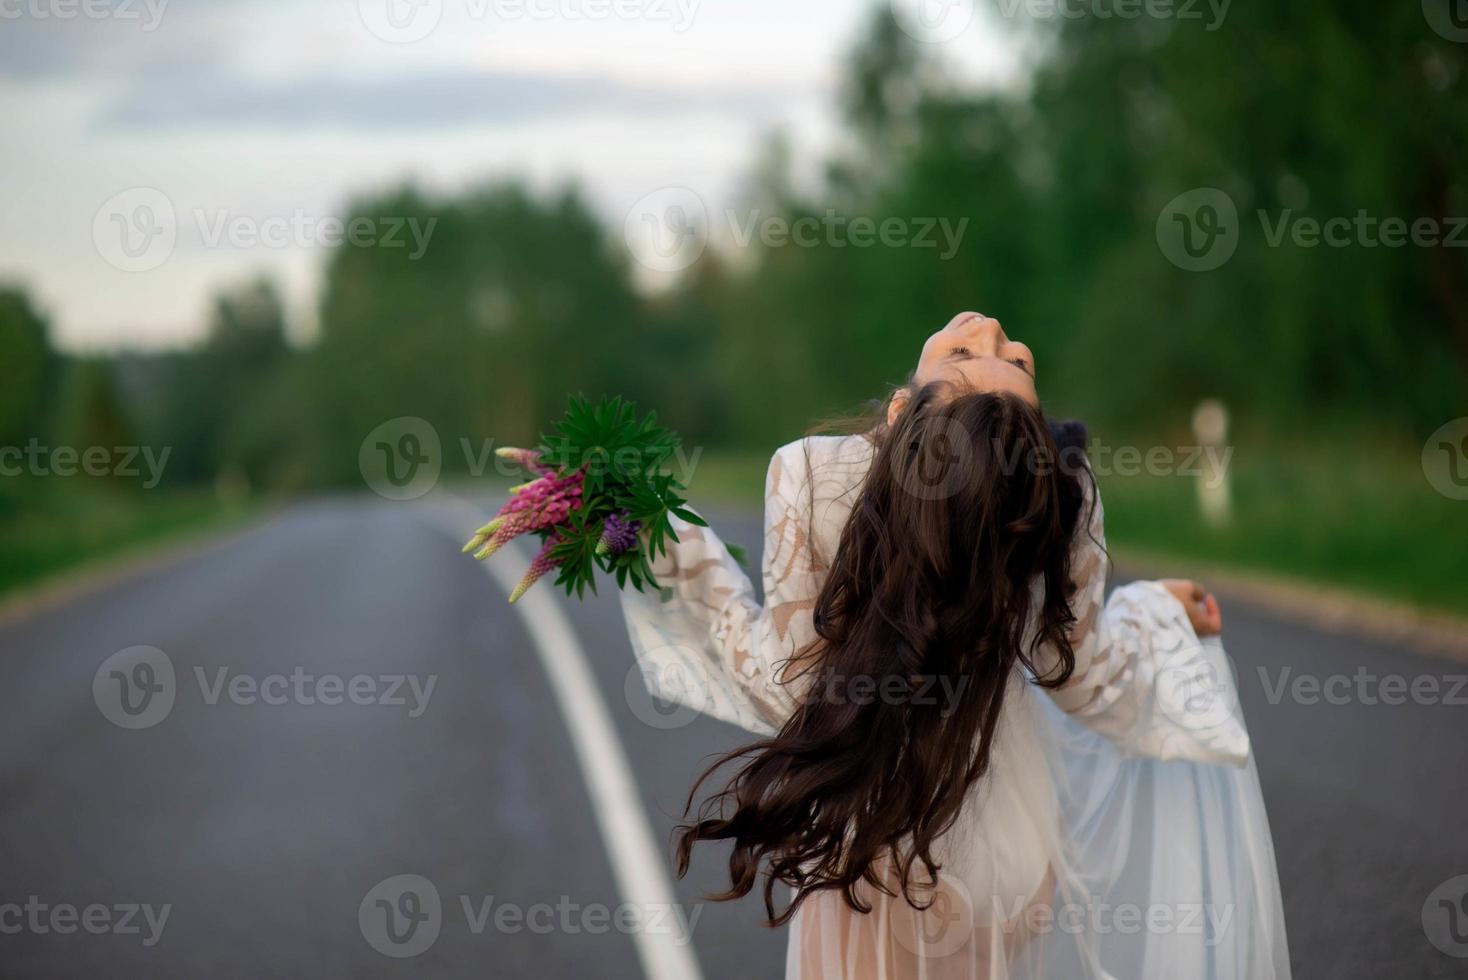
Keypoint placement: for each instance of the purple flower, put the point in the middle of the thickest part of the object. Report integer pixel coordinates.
(618, 534)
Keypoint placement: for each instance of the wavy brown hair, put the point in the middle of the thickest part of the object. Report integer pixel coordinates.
(960, 538)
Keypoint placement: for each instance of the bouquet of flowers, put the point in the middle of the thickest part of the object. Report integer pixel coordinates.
(600, 496)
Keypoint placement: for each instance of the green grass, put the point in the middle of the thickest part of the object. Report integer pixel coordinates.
(45, 531)
(729, 478)
(1363, 519)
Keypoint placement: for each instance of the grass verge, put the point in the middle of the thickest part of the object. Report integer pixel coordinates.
(1362, 520)
(43, 534)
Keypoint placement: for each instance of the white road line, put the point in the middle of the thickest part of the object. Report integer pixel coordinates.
(638, 864)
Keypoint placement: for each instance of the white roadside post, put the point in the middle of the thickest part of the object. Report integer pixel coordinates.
(1210, 428)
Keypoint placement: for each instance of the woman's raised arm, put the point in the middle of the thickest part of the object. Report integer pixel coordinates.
(705, 641)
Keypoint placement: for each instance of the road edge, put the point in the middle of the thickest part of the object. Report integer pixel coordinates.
(124, 564)
(1324, 607)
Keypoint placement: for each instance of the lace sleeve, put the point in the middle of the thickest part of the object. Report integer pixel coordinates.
(705, 641)
(1142, 677)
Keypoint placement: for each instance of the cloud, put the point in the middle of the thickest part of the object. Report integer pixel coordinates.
(110, 38)
(419, 100)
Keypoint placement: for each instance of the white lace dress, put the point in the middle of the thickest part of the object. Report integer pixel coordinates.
(1119, 833)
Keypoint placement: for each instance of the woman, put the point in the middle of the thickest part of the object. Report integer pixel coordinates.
(972, 764)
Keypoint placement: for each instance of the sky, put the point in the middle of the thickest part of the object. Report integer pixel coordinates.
(155, 151)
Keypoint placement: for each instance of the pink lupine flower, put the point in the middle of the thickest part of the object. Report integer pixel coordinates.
(526, 459)
(543, 563)
(540, 505)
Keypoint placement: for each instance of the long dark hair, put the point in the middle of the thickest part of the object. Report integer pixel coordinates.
(967, 506)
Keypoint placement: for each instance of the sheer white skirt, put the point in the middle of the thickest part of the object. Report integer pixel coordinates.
(1074, 860)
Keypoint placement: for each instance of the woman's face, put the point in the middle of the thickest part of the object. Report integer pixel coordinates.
(974, 352)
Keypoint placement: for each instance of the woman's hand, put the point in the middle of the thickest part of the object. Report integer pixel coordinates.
(1199, 602)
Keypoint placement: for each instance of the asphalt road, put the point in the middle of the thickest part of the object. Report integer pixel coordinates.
(261, 820)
